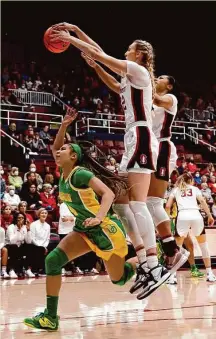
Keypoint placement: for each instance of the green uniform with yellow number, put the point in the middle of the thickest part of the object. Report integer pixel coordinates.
(105, 239)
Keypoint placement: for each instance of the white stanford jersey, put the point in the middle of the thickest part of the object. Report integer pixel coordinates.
(162, 119)
(136, 94)
(186, 200)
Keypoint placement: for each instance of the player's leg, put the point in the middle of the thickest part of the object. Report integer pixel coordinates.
(4, 260)
(188, 242)
(155, 203)
(120, 271)
(202, 241)
(71, 247)
(125, 214)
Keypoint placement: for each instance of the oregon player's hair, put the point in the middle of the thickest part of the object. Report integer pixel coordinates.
(118, 184)
(148, 59)
(184, 180)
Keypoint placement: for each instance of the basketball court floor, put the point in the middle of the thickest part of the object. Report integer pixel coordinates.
(92, 308)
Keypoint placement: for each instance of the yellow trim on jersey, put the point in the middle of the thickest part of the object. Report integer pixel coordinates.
(72, 210)
(65, 196)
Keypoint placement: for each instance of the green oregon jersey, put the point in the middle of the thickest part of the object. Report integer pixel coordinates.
(82, 202)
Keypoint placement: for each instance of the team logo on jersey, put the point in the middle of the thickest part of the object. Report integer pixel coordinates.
(143, 159)
(162, 172)
(112, 229)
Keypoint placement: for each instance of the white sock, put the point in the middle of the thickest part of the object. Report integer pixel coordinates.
(152, 261)
(208, 270)
(144, 223)
(141, 255)
(4, 268)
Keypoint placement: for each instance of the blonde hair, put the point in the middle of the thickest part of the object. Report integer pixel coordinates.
(184, 180)
(148, 59)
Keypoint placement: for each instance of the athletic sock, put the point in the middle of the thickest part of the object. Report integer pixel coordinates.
(52, 305)
(208, 270)
(152, 261)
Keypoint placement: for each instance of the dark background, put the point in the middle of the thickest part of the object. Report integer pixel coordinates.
(182, 33)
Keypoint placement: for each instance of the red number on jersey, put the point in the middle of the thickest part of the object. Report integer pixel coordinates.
(188, 193)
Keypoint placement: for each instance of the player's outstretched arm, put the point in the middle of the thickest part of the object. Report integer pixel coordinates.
(118, 66)
(164, 101)
(79, 33)
(59, 140)
(108, 79)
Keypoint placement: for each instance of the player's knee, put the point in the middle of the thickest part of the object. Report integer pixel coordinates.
(156, 208)
(127, 275)
(205, 250)
(125, 214)
(55, 261)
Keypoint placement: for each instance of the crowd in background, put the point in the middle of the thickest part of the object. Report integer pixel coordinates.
(29, 201)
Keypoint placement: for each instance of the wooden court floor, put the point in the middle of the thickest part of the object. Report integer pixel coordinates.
(93, 308)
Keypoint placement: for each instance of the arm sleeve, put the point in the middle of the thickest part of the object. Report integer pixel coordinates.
(81, 178)
(138, 75)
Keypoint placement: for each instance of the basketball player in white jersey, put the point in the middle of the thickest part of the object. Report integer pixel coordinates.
(141, 146)
(189, 217)
(164, 111)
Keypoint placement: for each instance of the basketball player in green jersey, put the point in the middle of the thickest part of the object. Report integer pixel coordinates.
(94, 230)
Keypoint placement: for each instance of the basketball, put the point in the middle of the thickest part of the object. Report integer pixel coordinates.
(54, 46)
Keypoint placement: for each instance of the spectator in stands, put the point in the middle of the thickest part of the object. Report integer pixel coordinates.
(212, 184)
(47, 198)
(2, 183)
(32, 197)
(214, 208)
(12, 131)
(15, 179)
(204, 179)
(17, 235)
(38, 82)
(191, 166)
(45, 136)
(37, 144)
(49, 179)
(112, 166)
(29, 84)
(208, 170)
(33, 169)
(206, 192)
(3, 254)
(40, 233)
(11, 198)
(174, 176)
(197, 178)
(6, 216)
(22, 208)
(182, 165)
(30, 131)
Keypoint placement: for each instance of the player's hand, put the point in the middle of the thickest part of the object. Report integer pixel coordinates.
(210, 221)
(89, 60)
(64, 25)
(91, 222)
(57, 35)
(70, 116)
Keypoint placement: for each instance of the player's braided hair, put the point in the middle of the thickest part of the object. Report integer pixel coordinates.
(118, 184)
(183, 181)
(148, 59)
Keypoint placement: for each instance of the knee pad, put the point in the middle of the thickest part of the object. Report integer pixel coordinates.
(156, 208)
(204, 249)
(55, 261)
(126, 216)
(144, 223)
(127, 275)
